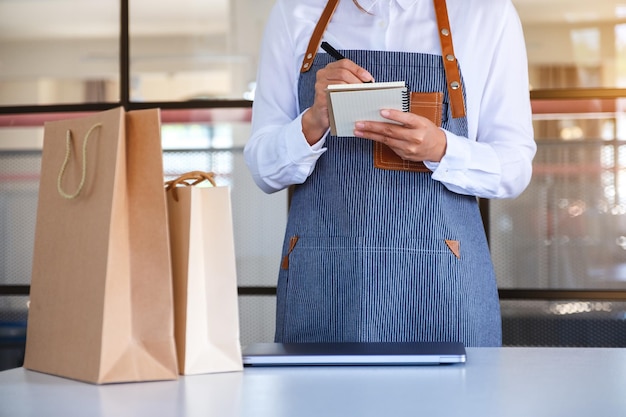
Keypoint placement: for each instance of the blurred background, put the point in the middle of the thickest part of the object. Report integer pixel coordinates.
(559, 249)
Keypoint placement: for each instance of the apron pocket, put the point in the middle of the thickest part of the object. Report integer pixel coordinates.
(320, 290)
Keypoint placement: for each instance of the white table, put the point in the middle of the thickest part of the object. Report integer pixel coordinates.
(495, 382)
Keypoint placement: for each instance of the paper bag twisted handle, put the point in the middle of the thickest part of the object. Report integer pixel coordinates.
(196, 176)
(68, 151)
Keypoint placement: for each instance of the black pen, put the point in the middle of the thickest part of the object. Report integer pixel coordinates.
(334, 53)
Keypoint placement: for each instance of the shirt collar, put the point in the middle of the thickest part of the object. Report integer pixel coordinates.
(369, 4)
(405, 4)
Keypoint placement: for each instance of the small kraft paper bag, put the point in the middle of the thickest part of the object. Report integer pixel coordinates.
(206, 323)
(101, 300)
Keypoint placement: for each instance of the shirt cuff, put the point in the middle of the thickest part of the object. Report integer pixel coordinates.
(298, 148)
(456, 159)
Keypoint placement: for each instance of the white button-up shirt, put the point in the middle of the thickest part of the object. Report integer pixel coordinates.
(494, 161)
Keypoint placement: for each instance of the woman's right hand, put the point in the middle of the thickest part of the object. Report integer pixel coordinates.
(315, 121)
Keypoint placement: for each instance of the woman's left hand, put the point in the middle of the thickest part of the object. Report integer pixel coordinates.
(415, 139)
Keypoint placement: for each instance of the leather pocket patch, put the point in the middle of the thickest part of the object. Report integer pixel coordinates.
(429, 105)
(292, 245)
(455, 247)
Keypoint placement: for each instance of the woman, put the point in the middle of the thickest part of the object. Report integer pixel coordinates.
(375, 254)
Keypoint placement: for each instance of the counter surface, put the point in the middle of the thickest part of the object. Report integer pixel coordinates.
(495, 382)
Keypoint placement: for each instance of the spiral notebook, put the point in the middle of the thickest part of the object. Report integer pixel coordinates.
(349, 103)
(353, 353)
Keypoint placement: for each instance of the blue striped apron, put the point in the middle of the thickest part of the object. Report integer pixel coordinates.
(365, 252)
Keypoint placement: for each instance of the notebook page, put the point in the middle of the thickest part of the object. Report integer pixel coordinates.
(346, 107)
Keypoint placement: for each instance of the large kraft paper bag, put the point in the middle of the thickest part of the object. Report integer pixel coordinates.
(101, 301)
(205, 277)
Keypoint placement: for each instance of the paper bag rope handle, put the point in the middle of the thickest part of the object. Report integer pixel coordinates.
(196, 176)
(68, 151)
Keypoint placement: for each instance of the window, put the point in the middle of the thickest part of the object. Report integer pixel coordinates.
(558, 249)
(194, 60)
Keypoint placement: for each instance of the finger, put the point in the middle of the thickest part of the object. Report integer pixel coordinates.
(379, 131)
(346, 71)
(401, 146)
(384, 128)
(407, 119)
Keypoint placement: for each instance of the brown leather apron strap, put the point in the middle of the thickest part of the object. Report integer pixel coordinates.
(316, 38)
(453, 76)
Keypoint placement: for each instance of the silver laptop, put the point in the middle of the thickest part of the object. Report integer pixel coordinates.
(376, 353)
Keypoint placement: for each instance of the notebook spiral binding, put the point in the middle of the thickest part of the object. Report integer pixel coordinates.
(406, 101)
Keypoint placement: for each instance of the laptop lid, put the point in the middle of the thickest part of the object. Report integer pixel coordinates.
(357, 353)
